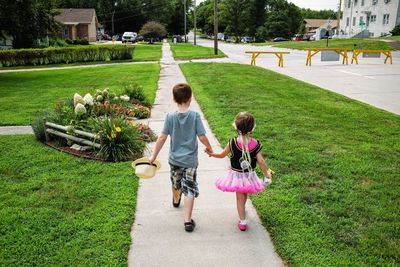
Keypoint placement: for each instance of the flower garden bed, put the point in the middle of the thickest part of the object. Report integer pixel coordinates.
(105, 123)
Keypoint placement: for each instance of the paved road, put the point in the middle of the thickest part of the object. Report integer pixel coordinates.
(371, 81)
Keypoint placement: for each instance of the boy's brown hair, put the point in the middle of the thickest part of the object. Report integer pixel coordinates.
(244, 122)
(182, 93)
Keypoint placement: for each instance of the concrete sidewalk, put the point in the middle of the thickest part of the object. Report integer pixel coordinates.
(158, 234)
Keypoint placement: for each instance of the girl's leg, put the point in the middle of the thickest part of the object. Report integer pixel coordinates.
(241, 199)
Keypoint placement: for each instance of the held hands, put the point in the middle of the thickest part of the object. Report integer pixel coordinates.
(209, 151)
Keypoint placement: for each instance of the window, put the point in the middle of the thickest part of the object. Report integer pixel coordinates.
(373, 18)
(371, 34)
(355, 2)
(386, 1)
(347, 22)
(374, 2)
(362, 2)
(362, 23)
(385, 19)
(349, 3)
(354, 21)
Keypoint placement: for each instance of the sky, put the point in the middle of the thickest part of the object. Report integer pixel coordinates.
(311, 4)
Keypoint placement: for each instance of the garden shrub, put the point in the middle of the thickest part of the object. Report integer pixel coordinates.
(396, 30)
(38, 127)
(119, 140)
(23, 57)
(108, 116)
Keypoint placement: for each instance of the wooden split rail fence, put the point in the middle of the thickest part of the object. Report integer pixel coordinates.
(85, 138)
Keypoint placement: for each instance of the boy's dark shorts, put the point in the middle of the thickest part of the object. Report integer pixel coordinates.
(184, 179)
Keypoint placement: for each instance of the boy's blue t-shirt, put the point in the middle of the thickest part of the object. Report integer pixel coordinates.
(183, 129)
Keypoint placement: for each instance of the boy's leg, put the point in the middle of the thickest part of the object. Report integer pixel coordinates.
(176, 181)
(241, 199)
(189, 203)
(190, 190)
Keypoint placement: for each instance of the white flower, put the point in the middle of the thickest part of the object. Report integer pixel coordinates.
(99, 98)
(88, 99)
(80, 109)
(78, 99)
(124, 98)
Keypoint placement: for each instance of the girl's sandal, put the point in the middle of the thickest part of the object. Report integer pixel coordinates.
(189, 226)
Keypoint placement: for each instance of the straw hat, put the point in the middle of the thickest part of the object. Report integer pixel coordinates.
(144, 169)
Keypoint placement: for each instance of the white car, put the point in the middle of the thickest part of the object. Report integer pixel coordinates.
(129, 37)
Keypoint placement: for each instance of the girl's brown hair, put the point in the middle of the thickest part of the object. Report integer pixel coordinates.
(244, 122)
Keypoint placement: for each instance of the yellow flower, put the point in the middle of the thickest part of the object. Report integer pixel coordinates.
(113, 135)
(118, 129)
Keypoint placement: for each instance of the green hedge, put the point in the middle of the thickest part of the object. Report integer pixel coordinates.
(23, 57)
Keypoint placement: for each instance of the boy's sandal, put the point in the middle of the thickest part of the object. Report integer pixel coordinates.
(189, 226)
(176, 205)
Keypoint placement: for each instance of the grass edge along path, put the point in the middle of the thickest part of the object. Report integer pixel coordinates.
(335, 198)
(350, 44)
(27, 94)
(188, 51)
(59, 210)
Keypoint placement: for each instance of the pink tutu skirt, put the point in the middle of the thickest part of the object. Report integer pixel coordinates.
(243, 182)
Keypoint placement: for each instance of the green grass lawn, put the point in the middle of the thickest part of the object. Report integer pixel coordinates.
(336, 195)
(147, 52)
(339, 43)
(182, 51)
(24, 94)
(59, 210)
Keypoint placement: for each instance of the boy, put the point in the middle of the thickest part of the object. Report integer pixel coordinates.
(183, 126)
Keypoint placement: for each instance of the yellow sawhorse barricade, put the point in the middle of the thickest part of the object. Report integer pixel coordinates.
(357, 52)
(313, 51)
(255, 54)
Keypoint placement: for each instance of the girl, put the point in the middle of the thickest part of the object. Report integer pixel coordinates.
(244, 153)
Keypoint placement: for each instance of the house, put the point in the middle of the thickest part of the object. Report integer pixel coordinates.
(79, 23)
(372, 18)
(319, 27)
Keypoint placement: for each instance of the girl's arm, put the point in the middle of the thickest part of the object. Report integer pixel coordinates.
(263, 166)
(221, 155)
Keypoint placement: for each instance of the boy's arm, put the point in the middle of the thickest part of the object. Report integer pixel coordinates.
(159, 144)
(204, 140)
(263, 165)
(221, 155)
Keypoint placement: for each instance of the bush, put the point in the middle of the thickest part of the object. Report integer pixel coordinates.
(140, 112)
(119, 140)
(38, 127)
(23, 57)
(134, 91)
(153, 30)
(396, 30)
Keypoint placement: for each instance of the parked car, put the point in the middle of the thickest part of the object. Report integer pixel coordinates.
(313, 37)
(178, 38)
(279, 39)
(307, 36)
(105, 36)
(129, 37)
(247, 39)
(298, 37)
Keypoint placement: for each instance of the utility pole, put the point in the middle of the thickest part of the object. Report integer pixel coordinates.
(184, 11)
(112, 20)
(338, 17)
(215, 27)
(194, 22)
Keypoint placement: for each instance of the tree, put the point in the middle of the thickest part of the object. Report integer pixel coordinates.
(318, 14)
(235, 14)
(396, 30)
(28, 21)
(153, 30)
(257, 18)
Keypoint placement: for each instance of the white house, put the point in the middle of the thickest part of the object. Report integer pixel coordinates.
(372, 18)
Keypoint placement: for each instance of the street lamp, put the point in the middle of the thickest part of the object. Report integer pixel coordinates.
(112, 19)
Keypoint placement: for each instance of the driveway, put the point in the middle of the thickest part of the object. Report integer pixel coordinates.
(371, 81)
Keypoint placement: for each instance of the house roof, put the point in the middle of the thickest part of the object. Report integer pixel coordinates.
(314, 23)
(76, 15)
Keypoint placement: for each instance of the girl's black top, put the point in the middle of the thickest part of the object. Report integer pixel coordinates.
(236, 155)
